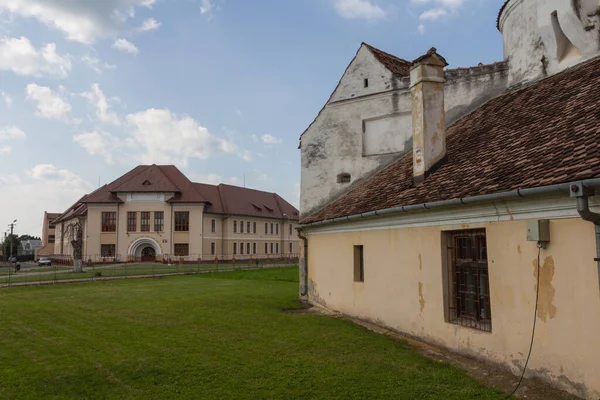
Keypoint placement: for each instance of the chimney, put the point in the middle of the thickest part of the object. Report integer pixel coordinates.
(428, 115)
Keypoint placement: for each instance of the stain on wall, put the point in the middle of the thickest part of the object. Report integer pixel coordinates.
(421, 298)
(546, 308)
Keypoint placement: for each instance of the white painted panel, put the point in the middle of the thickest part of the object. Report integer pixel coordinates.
(135, 197)
(389, 134)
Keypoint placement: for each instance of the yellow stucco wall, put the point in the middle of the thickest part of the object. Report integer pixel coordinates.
(404, 290)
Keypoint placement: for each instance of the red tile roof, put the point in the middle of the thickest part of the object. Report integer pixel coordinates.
(396, 65)
(542, 134)
(78, 209)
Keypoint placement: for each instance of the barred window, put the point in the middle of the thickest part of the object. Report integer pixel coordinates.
(271, 248)
(277, 247)
(159, 218)
(131, 222)
(469, 291)
(271, 228)
(107, 250)
(109, 222)
(266, 248)
(253, 248)
(266, 228)
(182, 221)
(234, 248)
(145, 221)
(242, 247)
(181, 249)
(248, 248)
(248, 227)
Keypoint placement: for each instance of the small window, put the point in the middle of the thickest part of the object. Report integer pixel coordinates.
(254, 227)
(277, 248)
(366, 82)
(234, 248)
(291, 248)
(359, 264)
(51, 238)
(271, 228)
(291, 229)
(277, 229)
(107, 250)
(266, 228)
(271, 248)
(213, 248)
(241, 226)
(248, 248)
(182, 221)
(159, 218)
(266, 248)
(145, 221)
(242, 247)
(109, 222)
(131, 221)
(248, 226)
(182, 250)
(234, 226)
(213, 226)
(253, 248)
(51, 226)
(344, 178)
(467, 279)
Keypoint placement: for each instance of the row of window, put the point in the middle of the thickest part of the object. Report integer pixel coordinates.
(182, 221)
(274, 247)
(252, 225)
(467, 280)
(180, 250)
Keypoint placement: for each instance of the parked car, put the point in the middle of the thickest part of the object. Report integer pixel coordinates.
(44, 261)
(13, 260)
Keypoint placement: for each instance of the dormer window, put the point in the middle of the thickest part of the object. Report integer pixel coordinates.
(146, 183)
(344, 177)
(366, 82)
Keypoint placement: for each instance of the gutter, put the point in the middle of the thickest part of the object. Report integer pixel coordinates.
(590, 184)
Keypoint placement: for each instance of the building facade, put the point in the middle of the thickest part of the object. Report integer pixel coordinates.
(48, 235)
(459, 206)
(155, 213)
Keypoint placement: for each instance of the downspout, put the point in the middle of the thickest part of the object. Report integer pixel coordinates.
(303, 264)
(582, 194)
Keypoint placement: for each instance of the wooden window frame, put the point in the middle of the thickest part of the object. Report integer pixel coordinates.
(234, 226)
(254, 223)
(145, 223)
(131, 221)
(109, 221)
(104, 253)
(182, 221)
(181, 249)
(359, 264)
(159, 221)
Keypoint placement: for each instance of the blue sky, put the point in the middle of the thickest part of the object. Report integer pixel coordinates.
(220, 88)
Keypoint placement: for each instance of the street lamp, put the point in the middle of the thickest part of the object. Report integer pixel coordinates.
(11, 236)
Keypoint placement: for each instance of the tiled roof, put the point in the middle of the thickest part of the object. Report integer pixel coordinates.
(235, 200)
(542, 134)
(149, 178)
(76, 210)
(396, 65)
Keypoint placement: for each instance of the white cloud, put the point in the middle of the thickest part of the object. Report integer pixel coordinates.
(270, 139)
(125, 46)
(48, 173)
(11, 133)
(167, 138)
(433, 14)
(354, 9)
(5, 149)
(149, 25)
(421, 28)
(97, 98)
(99, 143)
(80, 21)
(7, 99)
(92, 62)
(255, 138)
(50, 105)
(20, 56)
(212, 179)
(443, 3)
(206, 7)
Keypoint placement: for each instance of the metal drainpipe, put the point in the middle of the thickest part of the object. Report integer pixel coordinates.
(304, 287)
(582, 194)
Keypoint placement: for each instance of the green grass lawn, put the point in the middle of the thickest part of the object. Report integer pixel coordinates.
(214, 336)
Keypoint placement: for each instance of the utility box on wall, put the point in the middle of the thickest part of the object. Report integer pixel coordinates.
(538, 230)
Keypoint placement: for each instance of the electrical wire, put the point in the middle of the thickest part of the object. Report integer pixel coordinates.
(537, 296)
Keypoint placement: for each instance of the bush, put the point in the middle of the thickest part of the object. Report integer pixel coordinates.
(98, 274)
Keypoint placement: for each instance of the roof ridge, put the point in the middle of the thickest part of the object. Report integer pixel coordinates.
(169, 179)
(122, 183)
(385, 52)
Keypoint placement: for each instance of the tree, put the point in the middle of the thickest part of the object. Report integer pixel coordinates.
(16, 242)
(74, 235)
(28, 237)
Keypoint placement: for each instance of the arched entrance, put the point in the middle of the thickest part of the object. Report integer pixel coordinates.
(148, 254)
(144, 249)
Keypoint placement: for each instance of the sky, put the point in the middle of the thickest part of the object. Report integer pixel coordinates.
(220, 88)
